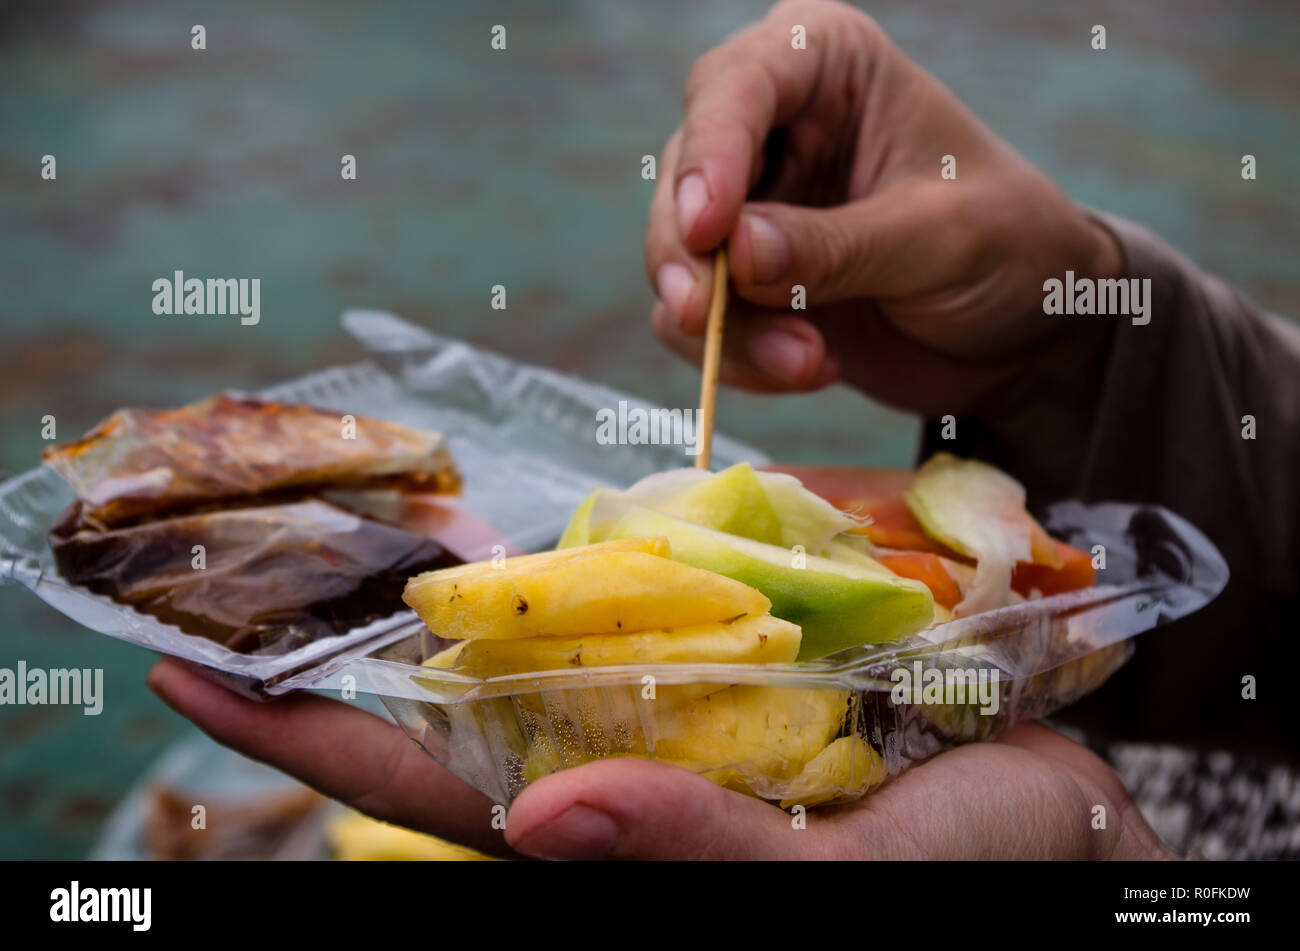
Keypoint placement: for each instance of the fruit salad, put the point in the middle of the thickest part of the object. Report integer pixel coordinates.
(742, 567)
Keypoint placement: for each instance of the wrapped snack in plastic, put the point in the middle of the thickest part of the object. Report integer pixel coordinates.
(522, 436)
(264, 579)
(144, 463)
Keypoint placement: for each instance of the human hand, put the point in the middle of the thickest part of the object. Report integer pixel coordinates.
(821, 167)
(1029, 795)
(340, 750)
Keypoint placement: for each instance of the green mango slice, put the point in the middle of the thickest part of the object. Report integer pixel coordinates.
(838, 604)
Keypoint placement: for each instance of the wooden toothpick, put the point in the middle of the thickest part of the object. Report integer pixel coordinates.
(712, 360)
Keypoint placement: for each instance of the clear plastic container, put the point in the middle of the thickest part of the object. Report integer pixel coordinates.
(809, 733)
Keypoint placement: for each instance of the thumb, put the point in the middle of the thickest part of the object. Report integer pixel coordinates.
(639, 809)
(861, 249)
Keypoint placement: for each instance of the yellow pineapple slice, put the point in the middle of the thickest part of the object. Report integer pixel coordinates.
(578, 591)
(846, 768)
(762, 639)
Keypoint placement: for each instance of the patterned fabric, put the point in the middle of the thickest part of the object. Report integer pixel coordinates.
(1213, 805)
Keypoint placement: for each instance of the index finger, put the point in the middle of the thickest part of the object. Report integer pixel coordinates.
(736, 94)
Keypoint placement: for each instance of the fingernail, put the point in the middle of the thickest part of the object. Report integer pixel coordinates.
(692, 196)
(768, 249)
(780, 355)
(155, 678)
(675, 284)
(577, 834)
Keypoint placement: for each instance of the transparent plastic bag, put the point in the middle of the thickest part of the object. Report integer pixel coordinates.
(272, 579)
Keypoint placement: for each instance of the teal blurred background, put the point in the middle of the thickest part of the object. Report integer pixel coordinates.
(476, 168)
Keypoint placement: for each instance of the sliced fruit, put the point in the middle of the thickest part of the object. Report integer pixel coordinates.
(841, 484)
(736, 736)
(837, 604)
(757, 731)
(849, 550)
(1076, 572)
(762, 639)
(731, 501)
(891, 524)
(968, 505)
(979, 512)
(806, 518)
(846, 768)
(578, 531)
(873, 498)
(542, 559)
(540, 761)
(357, 838)
(588, 592)
(961, 721)
(448, 658)
(926, 568)
(767, 507)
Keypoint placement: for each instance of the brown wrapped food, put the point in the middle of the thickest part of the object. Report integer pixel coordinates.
(266, 580)
(140, 464)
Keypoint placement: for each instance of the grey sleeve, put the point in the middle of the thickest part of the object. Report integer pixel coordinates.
(1162, 416)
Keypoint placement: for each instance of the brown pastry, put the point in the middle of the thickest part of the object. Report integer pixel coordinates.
(144, 463)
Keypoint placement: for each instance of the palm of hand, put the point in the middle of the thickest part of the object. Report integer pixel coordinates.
(1033, 795)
